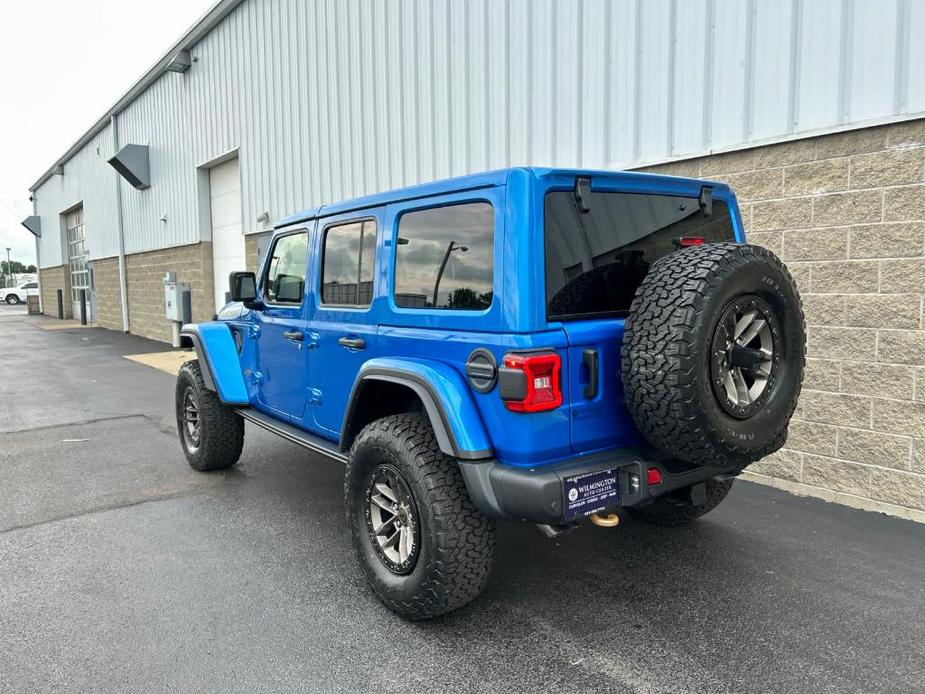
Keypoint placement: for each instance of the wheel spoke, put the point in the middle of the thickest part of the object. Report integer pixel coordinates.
(751, 332)
(384, 503)
(378, 529)
(730, 385)
(743, 323)
(386, 491)
(392, 539)
(742, 396)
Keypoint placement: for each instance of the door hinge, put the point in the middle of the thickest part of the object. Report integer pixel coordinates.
(314, 396)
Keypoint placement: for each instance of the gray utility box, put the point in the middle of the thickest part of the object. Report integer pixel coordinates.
(176, 299)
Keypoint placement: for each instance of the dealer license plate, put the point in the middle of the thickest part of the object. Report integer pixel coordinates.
(590, 492)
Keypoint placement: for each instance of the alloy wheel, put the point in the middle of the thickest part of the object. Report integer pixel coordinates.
(192, 424)
(392, 519)
(745, 355)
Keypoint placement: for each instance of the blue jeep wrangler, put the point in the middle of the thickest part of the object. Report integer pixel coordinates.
(540, 345)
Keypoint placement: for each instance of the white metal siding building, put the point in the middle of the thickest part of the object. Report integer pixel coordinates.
(333, 99)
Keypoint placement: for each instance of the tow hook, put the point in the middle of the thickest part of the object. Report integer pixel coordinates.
(610, 520)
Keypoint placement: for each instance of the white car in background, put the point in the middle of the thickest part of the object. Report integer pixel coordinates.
(17, 295)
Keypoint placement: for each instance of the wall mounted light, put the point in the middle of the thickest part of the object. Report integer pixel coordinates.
(180, 63)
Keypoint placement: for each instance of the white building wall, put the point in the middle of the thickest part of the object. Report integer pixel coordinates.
(85, 180)
(331, 99)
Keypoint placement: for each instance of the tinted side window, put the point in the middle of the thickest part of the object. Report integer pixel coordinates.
(31, 285)
(285, 279)
(596, 260)
(349, 260)
(445, 256)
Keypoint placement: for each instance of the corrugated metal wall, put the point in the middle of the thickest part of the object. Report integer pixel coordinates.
(330, 99)
(85, 180)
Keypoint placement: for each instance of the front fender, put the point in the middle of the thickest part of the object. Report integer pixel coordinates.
(446, 397)
(218, 356)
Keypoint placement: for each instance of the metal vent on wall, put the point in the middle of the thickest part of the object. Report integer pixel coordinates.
(132, 164)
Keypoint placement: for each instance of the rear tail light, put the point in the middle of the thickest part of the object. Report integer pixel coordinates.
(654, 476)
(686, 241)
(531, 382)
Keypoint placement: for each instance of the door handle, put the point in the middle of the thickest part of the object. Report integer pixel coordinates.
(352, 342)
(589, 359)
(294, 335)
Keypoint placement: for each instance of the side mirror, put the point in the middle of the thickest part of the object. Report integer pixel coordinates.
(243, 286)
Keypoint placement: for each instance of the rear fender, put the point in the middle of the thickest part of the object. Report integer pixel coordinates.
(218, 357)
(446, 398)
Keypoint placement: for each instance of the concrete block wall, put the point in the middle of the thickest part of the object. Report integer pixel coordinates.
(252, 249)
(846, 212)
(51, 279)
(144, 273)
(108, 294)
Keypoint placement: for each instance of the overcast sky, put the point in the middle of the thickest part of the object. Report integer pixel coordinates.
(63, 63)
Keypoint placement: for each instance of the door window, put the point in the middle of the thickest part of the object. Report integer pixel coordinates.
(444, 257)
(349, 258)
(285, 278)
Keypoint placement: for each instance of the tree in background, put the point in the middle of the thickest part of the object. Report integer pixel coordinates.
(15, 267)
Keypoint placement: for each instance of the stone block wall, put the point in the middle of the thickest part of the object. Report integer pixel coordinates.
(107, 293)
(846, 212)
(144, 273)
(252, 249)
(51, 280)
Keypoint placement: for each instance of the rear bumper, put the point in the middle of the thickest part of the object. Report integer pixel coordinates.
(537, 494)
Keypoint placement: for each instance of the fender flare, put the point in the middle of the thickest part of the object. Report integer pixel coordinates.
(445, 395)
(218, 356)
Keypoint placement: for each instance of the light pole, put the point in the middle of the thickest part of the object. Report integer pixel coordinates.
(450, 247)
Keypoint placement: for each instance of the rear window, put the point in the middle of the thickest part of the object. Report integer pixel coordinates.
(596, 260)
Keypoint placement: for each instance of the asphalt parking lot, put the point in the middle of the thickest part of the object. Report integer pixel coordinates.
(123, 570)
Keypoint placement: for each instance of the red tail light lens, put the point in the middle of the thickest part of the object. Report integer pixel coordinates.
(654, 476)
(542, 389)
(686, 241)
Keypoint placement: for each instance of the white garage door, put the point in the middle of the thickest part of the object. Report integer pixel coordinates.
(227, 232)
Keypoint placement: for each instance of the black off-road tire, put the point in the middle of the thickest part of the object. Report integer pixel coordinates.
(675, 508)
(221, 429)
(456, 541)
(669, 344)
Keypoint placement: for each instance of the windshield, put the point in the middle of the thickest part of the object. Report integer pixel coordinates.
(596, 260)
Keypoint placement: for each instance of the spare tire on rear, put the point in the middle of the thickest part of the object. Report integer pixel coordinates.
(713, 354)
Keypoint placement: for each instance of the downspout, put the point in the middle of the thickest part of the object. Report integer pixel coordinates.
(38, 256)
(119, 226)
